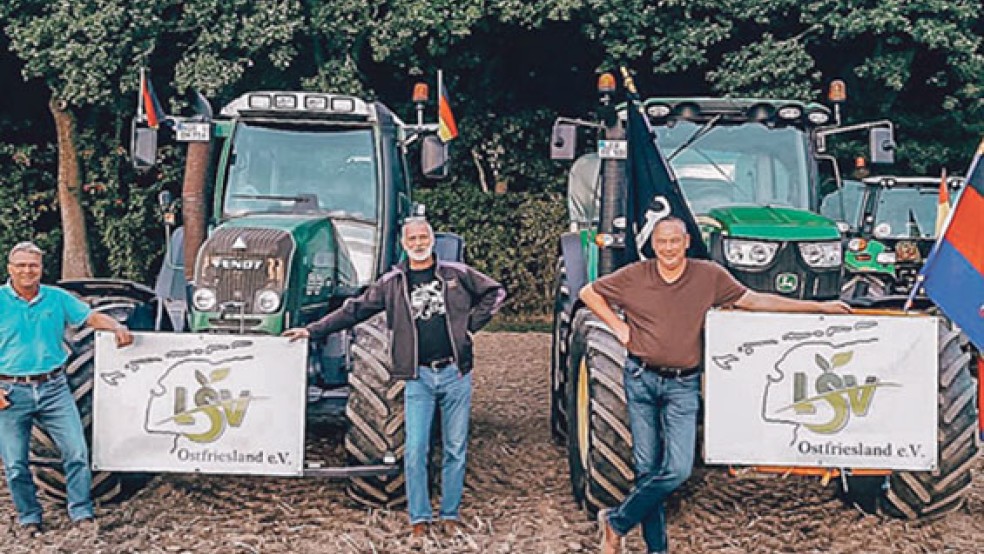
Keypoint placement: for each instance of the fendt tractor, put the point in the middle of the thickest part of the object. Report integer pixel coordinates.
(893, 223)
(291, 203)
(752, 172)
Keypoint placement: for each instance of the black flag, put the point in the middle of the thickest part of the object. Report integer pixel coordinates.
(653, 192)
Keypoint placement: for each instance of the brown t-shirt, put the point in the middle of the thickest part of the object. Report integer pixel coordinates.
(666, 320)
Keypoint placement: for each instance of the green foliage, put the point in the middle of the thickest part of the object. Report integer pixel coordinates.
(512, 238)
(27, 202)
(511, 66)
(128, 234)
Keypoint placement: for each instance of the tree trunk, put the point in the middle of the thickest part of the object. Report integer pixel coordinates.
(75, 252)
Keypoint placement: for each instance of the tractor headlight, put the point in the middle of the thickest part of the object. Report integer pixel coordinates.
(821, 254)
(203, 299)
(267, 301)
(751, 253)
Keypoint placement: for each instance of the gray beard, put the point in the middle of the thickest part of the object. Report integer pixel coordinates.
(423, 256)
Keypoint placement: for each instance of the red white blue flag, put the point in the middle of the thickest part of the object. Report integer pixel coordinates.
(953, 276)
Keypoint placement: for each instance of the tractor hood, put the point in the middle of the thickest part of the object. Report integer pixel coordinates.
(292, 223)
(773, 223)
(252, 271)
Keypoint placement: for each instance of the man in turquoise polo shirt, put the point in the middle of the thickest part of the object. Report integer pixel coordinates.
(33, 388)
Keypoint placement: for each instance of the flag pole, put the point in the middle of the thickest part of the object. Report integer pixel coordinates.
(440, 92)
(141, 109)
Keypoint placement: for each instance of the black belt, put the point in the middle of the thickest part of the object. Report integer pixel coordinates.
(664, 371)
(32, 379)
(673, 372)
(439, 363)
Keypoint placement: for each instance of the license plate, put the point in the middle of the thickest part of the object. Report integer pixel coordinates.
(613, 149)
(197, 131)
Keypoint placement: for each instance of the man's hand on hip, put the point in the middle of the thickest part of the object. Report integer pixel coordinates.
(621, 330)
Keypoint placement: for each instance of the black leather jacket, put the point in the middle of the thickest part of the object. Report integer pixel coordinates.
(471, 299)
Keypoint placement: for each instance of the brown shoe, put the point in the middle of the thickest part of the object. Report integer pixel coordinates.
(87, 525)
(611, 542)
(418, 531)
(29, 531)
(451, 527)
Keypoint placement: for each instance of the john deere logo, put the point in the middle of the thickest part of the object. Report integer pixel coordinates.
(787, 282)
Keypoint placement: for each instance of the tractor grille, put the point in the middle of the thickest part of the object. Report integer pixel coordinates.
(237, 263)
(811, 283)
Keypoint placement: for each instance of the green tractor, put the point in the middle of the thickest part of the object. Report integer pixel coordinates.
(751, 171)
(291, 204)
(893, 226)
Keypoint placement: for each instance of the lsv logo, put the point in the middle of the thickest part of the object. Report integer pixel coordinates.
(213, 411)
(843, 394)
(823, 398)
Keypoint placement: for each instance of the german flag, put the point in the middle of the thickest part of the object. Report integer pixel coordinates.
(447, 128)
(148, 101)
(953, 276)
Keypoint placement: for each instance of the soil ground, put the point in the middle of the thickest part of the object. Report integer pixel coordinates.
(516, 500)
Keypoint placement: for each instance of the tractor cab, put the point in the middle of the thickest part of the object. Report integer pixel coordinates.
(893, 223)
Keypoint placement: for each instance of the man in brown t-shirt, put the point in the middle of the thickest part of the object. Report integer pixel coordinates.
(665, 301)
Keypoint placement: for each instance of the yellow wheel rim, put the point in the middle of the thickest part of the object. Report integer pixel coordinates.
(583, 411)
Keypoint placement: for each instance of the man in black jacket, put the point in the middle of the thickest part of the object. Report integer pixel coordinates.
(432, 308)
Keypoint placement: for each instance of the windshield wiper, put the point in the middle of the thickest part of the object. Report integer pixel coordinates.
(300, 201)
(698, 134)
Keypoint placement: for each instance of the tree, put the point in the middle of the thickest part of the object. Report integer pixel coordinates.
(81, 49)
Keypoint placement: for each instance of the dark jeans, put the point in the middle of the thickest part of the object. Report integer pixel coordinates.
(663, 417)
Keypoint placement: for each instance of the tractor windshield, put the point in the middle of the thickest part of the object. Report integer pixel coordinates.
(292, 169)
(906, 212)
(748, 163)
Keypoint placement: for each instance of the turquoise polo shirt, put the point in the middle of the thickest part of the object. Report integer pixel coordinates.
(32, 333)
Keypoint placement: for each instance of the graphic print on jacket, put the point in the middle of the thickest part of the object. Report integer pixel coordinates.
(427, 306)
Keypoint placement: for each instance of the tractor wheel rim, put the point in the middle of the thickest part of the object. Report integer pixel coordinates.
(583, 411)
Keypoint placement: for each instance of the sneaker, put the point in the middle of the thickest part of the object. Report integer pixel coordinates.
(611, 542)
(29, 530)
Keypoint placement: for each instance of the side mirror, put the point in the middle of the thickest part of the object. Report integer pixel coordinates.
(881, 144)
(434, 158)
(563, 141)
(143, 146)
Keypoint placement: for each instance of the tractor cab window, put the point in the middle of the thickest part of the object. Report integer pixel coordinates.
(906, 212)
(302, 169)
(844, 204)
(749, 164)
(309, 170)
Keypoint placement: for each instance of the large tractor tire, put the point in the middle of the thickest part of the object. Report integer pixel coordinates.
(559, 367)
(375, 416)
(49, 475)
(599, 438)
(925, 494)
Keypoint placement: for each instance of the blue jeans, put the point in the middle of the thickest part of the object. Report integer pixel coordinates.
(452, 391)
(663, 418)
(51, 405)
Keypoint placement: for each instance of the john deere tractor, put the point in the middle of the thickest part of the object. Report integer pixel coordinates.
(751, 171)
(893, 224)
(291, 203)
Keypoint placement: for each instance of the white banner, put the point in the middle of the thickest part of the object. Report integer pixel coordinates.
(823, 391)
(181, 402)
